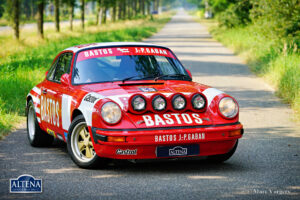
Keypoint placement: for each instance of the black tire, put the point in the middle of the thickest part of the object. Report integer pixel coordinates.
(223, 157)
(36, 136)
(77, 156)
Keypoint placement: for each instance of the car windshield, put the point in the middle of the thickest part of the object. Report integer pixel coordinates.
(130, 63)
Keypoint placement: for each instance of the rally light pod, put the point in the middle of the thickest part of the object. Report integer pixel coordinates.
(159, 103)
(179, 102)
(138, 103)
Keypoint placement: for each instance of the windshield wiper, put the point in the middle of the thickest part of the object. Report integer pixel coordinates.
(140, 78)
(170, 75)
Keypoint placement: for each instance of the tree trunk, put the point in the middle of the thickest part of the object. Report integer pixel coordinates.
(40, 18)
(16, 18)
(56, 14)
(104, 15)
(114, 12)
(134, 8)
(124, 9)
(127, 8)
(149, 7)
(71, 13)
(98, 12)
(143, 6)
(157, 6)
(82, 13)
(120, 10)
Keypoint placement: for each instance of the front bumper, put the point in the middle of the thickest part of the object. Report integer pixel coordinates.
(143, 143)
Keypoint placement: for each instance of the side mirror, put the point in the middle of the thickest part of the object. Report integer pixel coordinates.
(65, 79)
(189, 72)
(46, 73)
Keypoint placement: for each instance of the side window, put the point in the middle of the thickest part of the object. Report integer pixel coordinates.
(51, 71)
(63, 66)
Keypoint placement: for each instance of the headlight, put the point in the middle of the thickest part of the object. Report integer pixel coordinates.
(111, 113)
(138, 103)
(178, 102)
(159, 103)
(198, 101)
(228, 107)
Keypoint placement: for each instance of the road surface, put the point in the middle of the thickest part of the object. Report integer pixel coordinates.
(265, 166)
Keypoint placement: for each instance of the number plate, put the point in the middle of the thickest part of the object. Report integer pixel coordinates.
(179, 150)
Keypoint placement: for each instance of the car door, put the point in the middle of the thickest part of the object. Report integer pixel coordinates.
(52, 92)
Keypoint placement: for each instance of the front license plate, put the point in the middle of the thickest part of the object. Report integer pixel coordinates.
(179, 150)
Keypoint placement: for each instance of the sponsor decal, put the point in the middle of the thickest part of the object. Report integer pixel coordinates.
(96, 53)
(179, 137)
(87, 106)
(123, 50)
(126, 152)
(174, 118)
(147, 89)
(25, 184)
(90, 98)
(50, 132)
(178, 151)
(50, 110)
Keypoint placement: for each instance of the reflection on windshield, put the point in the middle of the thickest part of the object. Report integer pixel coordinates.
(117, 68)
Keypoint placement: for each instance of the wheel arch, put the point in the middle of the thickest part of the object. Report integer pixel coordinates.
(76, 112)
(28, 98)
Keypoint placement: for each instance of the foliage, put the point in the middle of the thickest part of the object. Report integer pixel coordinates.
(278, 19)
(236, 14)
(264, 57)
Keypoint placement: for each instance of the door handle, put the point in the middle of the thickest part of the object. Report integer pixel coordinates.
(44, 91)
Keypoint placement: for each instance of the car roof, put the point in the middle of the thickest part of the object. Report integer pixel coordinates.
(109, 44)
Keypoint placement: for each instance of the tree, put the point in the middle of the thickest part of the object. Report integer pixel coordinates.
(40, 17)
(56, 13)
(99, 12)
(82, 13)
(71, 5)
(16, 18)
(114, 11)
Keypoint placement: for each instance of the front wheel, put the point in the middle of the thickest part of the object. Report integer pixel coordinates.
(80, 146)
(223, 157)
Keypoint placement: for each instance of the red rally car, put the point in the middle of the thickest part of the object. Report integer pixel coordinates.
(130, 101)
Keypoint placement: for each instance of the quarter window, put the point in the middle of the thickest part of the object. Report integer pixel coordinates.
(63, 66)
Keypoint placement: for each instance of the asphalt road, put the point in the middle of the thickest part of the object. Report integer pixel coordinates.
(265, 166)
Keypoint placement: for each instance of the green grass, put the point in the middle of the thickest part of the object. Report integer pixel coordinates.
(23, 64)
(266, 58)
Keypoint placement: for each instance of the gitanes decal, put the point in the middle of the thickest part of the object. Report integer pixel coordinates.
(173, 118)
(90, 98)
(50, 110)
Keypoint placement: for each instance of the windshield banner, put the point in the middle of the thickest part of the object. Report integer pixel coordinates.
(123, 51)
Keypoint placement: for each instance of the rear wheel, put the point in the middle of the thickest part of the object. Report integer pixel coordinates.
(80, 146)
(36, 136)
(223, 157)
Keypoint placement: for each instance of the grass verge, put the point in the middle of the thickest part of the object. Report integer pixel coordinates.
(23, 63)
(266, 57)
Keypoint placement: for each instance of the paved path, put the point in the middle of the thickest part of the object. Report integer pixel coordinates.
(265, 166)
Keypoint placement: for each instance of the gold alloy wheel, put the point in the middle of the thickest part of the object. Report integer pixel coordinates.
(81, 143)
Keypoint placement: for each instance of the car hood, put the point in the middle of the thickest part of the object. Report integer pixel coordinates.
(122, 92)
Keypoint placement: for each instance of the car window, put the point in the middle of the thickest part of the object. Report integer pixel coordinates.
(128, 63)
(51, 71)
(63, 66)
